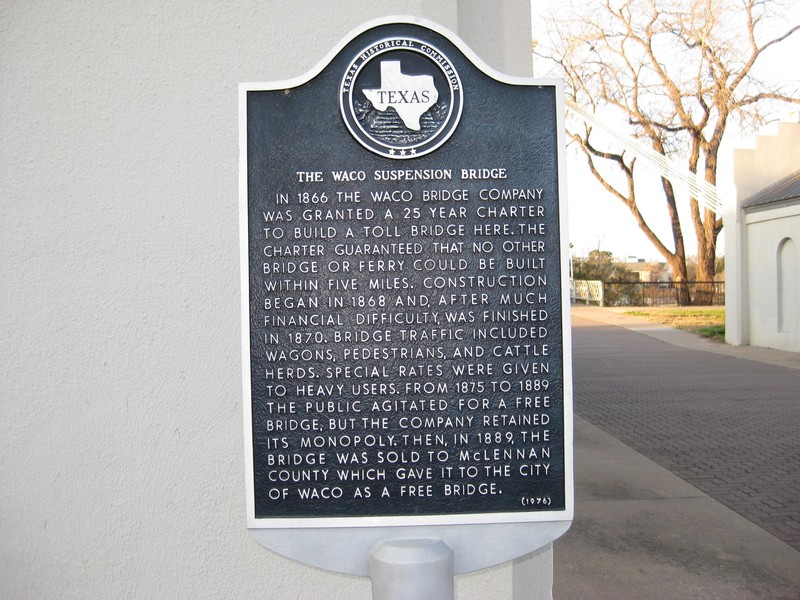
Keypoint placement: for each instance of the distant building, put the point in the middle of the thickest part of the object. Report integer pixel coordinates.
(763, 243)
(646, 271)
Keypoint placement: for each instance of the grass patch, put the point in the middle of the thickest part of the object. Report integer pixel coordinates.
(708, 322)
(715, 332)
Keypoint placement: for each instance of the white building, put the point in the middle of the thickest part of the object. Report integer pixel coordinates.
(763, 243)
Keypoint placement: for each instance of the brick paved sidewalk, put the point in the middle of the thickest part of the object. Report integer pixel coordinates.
(730, 427)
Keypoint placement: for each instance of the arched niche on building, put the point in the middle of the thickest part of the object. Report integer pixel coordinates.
(788, 258)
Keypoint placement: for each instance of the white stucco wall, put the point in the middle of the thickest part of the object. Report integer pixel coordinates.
(121, 456)
(772, 158)
(773, 288)
(756, 293)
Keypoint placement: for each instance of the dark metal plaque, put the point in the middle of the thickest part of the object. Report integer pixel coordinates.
(404, 319)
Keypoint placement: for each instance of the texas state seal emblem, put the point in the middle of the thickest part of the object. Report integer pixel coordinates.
(401, 98)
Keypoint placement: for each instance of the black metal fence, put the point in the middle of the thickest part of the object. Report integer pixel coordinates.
(706, 293)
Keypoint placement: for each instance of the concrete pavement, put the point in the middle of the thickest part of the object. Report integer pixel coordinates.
(687, 458)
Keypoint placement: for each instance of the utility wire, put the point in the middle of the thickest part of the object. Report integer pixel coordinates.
(699, 188)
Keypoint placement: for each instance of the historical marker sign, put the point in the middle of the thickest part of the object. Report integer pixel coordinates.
(406, 345)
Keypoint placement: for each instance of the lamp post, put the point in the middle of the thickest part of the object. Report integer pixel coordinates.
(571, 273)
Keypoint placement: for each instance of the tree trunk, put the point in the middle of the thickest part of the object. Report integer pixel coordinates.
(706, 268)
(679, 277)
(706, 231)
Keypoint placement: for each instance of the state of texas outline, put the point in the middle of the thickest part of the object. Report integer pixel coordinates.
(410, 95)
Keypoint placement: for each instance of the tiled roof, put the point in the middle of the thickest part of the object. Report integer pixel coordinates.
(784, 190)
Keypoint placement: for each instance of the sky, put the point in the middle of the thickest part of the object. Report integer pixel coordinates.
(599, 221)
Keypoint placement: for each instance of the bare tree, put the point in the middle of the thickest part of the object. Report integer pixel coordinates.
(675, 72)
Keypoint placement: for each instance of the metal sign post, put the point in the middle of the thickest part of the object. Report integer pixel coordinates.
(405, 311)
(412, 570)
